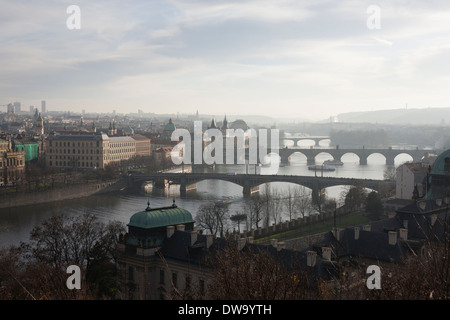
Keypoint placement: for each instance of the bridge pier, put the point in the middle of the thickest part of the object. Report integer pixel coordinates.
(249, 190)
(160, 183)
(390, 160)
(317, 194)
(185, 188)
(310, 160)
(363, 160)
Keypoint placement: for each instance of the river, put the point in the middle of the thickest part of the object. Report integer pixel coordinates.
(16, 223)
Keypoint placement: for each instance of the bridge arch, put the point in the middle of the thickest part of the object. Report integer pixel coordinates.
(283, 186)
(306, 143)
(288, 142)
(323, 156)
(374, 158)
(402, 158)
(326, 142)
(297, 157)
(350, 157)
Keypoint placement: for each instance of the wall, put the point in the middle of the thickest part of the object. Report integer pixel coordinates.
(68, 192)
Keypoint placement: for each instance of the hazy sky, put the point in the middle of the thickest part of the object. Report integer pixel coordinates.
(309, 59)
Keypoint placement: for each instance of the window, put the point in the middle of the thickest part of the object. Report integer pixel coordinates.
(161, 276)
(130, 273)
(174, 280)
(447, 164)
(201, 284)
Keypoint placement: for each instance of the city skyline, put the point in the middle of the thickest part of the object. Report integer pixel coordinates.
(271, 58)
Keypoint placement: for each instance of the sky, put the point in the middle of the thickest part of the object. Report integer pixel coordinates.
(286, 58)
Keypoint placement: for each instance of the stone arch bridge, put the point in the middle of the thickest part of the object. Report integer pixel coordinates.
(390, 154)
(250, 182)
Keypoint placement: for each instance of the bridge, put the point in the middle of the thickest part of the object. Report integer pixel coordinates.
(296, 139)
(389, 154)
(251, 182)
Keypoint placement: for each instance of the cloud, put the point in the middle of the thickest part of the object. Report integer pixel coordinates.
(219, 54)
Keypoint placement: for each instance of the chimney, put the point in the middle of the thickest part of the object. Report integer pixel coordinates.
(170, 231)
(336, 232)
(405, 224)
(356, 229)
(433, 219)
(180, 227)
(193, 237)
(209, 240)
(311, 258)
(326, 253)
(404, 234)
(392, 237)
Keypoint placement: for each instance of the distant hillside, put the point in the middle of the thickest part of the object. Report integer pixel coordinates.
(399, 116)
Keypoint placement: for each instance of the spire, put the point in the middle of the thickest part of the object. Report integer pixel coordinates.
(148, 205)
(213, 124)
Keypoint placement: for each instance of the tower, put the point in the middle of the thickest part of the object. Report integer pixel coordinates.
(39, 126)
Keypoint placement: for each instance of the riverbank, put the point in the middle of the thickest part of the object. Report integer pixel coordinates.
(18, 199)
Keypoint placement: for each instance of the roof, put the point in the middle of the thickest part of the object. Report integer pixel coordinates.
(160, 217)
(441, 165)
(78, 136)
(416, 167)
(170, 126)
(120, 139)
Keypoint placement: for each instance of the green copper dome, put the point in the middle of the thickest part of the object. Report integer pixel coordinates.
(441, 165)
(170, 126)
(160, 217)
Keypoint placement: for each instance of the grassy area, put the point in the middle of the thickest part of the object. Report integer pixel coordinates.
(351, 219)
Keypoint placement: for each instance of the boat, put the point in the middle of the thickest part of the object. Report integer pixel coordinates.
(321, 168)
(333, 163)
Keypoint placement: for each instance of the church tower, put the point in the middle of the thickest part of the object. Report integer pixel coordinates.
(39, 126)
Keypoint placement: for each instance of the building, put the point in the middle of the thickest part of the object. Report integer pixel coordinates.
(39, 126)
(438, 182)
(12, 164)
(162, 155)
(143, 146)
(165, 138)
(161, 252)
(87, 151)
(411, 180)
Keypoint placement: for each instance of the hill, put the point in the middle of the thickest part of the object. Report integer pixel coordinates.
(432, 116)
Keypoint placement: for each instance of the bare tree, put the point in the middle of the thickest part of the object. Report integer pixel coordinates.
(213, 217)
(254, 209)
(254, 273)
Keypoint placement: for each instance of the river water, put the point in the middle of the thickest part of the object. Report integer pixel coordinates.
(16, 223)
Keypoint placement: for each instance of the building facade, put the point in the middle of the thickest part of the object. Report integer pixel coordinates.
(411, 180)
(161, 253)
(87, 151)
(12, 164)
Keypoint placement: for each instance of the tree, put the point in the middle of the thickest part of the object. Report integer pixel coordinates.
(254, 207)
(355, 196)
(390, 173)
(374, 205)
(213, 217)
(254, 273)
(83, 241)
(238, 218)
